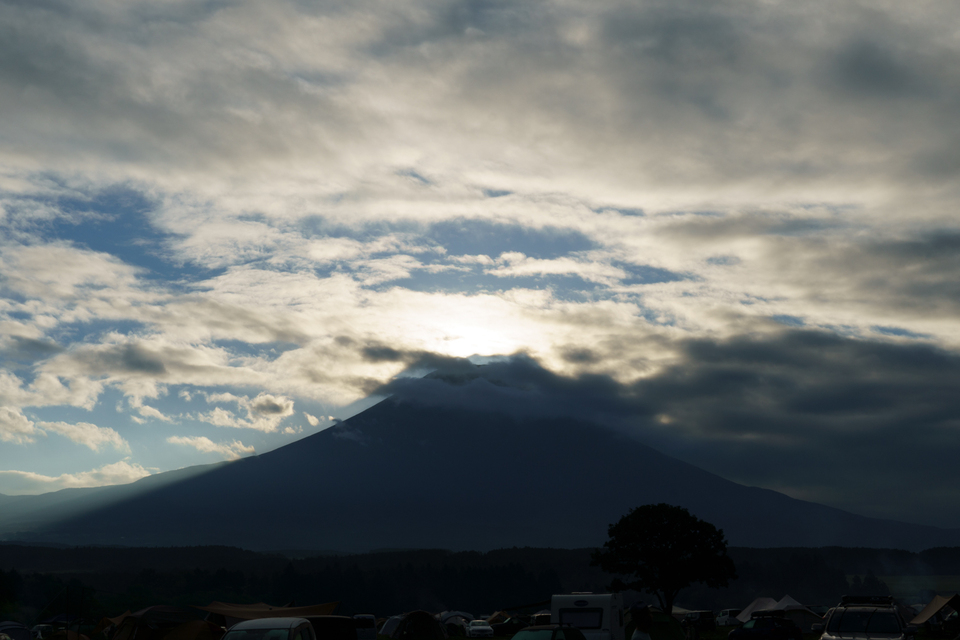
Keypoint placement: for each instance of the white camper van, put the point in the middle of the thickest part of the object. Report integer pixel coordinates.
(598, 615)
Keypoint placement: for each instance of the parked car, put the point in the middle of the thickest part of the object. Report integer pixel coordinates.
(271, 629)
(479, 629)
(334, 627)
(767, 626)
(366, 624)
(549, 632)
(727, 618)
(415, 625)
(865, 618)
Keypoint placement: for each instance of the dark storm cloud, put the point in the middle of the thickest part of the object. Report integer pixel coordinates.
(112, 77)
(517, 385)
(415, 360)
(832, 257)
(859, 424)
(917, 274)
(849, 422)
(871, 68)
(29, 348)
(136, 359)
(720, 91)
(269, 406)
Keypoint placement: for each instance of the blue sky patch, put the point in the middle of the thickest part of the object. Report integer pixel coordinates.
(70, 332)
(410, 173)
(644, 274)
(270, 350)
(117, 221)
(479, 237)
(723, 261)
(790, 321)
(564, 287)
(898, 332)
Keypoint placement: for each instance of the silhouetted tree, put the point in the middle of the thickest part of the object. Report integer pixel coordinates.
(664, 549)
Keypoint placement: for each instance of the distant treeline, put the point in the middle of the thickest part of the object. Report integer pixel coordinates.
(39, 582)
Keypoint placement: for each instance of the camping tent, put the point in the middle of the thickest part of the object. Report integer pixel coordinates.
(154, 623)
(797, 612)
(757, 605)
(446, 615)
(456, 622)
(228, 614)
(934, 607)
(679, 612)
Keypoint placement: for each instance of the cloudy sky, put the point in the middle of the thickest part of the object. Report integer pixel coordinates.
(730, 227)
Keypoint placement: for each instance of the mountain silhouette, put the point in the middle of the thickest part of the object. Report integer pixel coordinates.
(410, 475)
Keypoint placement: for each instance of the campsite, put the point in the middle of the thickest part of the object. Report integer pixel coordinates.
(84, 587)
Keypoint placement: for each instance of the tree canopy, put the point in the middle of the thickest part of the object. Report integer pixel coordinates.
(662, 549)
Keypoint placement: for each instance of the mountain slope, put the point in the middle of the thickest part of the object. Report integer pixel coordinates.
(400, 475)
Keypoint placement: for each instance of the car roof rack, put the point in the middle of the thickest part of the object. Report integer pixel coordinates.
(869, 600)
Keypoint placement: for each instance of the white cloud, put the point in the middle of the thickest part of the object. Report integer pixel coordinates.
(16, 427)
(219, 417)
(145, 410)
(313, 420)
(517, 264)
(265, 412)
(477, 259)
(27, 482)
(152, 412)
(89, 435)
(228, 450)
(382, 270)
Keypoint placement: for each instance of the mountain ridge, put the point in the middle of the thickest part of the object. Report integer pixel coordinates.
(406, 475)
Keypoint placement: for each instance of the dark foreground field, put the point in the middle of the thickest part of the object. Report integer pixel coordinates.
(37, 583)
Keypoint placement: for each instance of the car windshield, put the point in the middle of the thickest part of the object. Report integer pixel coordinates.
(478, 623)
(883, 622)
(864, 621)
(854, 621)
